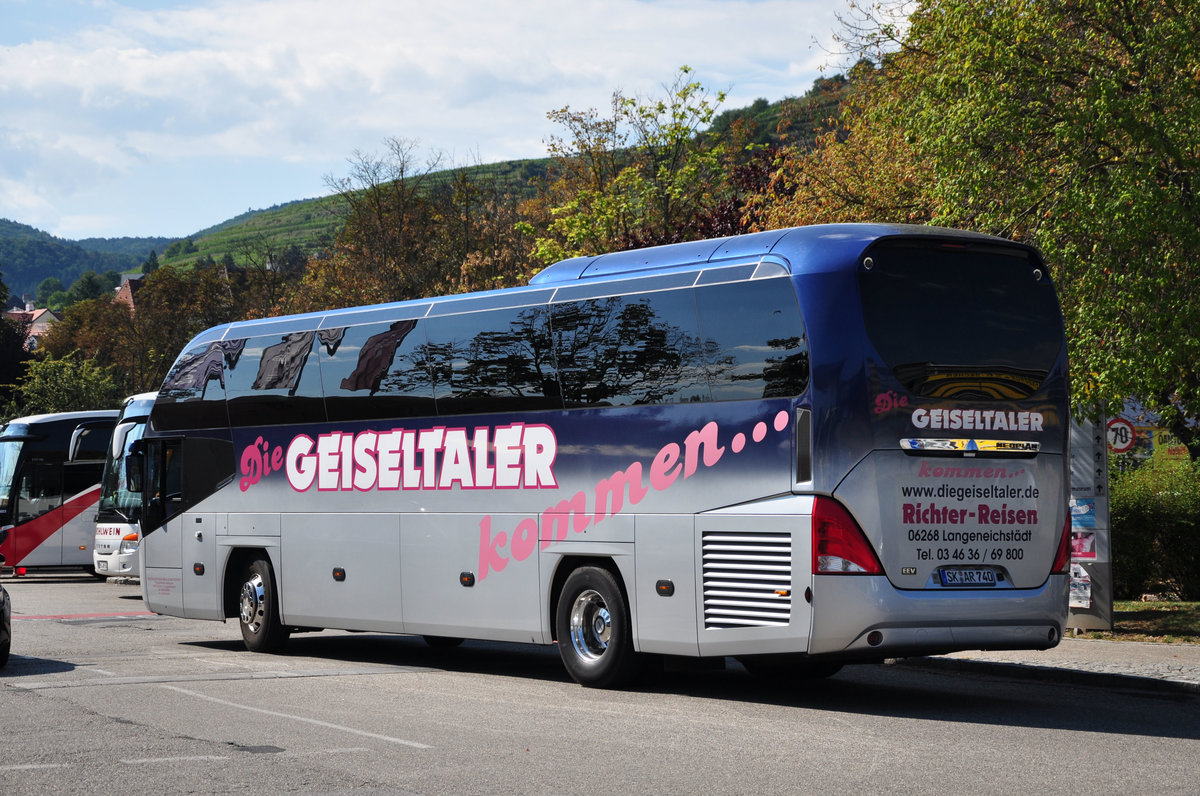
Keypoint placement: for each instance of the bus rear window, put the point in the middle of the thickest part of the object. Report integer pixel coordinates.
(959, 322)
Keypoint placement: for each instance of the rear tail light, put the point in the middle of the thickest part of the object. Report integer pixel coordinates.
(839, 545)
(1062, 559)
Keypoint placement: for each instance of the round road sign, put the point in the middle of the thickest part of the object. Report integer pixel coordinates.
(1120, 435)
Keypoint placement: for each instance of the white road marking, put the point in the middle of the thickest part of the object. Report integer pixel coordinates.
(304, 719)
(140, 760)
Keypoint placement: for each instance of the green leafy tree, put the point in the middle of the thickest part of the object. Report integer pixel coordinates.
(89, 285)
(13, 354)
(1070, 125)
(73, 383)
(640, 176)
(47, 288)
(139, 346)
(392, 223)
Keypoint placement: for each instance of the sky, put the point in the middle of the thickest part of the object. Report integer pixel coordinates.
(156, 118)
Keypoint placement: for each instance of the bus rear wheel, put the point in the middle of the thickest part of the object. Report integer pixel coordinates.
(592, 623)
(258, 609)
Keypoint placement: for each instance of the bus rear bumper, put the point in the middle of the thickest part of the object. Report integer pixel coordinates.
(866, 618)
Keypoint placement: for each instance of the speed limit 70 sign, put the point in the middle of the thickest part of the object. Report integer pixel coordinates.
(1120, 435)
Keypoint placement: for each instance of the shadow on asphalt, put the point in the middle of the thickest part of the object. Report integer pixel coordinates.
(24, 666)
(887, 691)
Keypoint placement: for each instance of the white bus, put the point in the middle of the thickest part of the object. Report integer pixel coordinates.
(115, 551)
(800, 448)
(49, 483)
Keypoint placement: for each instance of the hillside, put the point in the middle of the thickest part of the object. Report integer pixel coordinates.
(28, 255)
(309, 224)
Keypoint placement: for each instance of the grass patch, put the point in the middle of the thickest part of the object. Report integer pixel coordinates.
(1160, 622)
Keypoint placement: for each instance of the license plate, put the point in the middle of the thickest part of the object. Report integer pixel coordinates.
(101, 566)
(968, 577)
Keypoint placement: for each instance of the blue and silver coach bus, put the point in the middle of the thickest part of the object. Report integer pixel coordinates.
(800, 448)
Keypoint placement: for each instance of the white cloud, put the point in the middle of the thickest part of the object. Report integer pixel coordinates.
(307, 82)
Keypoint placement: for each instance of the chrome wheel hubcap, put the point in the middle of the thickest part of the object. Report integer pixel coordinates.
(251, 603)
(591, 626)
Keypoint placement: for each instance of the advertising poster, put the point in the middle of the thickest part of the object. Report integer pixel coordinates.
(1090, 604)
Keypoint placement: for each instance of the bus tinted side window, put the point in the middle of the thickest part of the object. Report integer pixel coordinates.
(492, 361)
(624, 350)
(276, 379)
(40, 490)
(371, 372)
(193, 394)
(754, 339)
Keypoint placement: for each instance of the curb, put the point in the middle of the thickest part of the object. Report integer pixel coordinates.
(1051, 674)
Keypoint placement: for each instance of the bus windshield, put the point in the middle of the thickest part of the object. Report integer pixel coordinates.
(115, 492)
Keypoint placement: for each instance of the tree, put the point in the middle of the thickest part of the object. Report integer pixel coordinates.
(861, 167)
(72, 383)
(139, 347)
(47, 288)
(390, 225)
(1070, 125)
(89, 285)
(643, 175)
(272, 270)
(13, 354)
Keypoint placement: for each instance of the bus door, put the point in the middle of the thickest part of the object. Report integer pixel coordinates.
(161, 549)
(179, 544)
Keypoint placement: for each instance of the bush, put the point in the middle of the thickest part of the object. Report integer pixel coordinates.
(1155, 512)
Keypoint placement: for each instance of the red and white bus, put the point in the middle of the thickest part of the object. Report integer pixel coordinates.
(50, 469)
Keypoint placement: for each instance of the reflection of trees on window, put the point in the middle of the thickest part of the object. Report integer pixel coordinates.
(786, 372)
(275, 382)
(630, 350)
(488, 361)
(757, 329)
(515, 362)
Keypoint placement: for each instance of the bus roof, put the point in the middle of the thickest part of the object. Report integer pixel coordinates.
(96, 414)
(793, 250)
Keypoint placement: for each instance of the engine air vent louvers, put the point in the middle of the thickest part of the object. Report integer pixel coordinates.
(747, 579)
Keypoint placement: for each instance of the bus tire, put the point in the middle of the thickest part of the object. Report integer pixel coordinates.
(258, 609)
(595, 640)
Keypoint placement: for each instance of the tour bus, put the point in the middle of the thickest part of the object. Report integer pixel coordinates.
(49, 482)
(797, 448)
(115, 552)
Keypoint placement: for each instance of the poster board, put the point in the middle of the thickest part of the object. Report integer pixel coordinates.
(1091, 599)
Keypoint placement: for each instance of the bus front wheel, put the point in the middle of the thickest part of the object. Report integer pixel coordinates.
(593, 627)
(258, 609)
